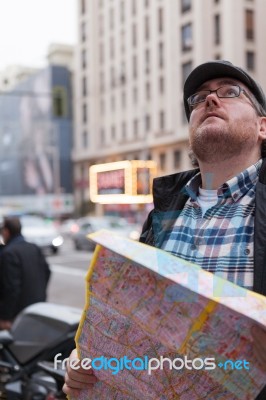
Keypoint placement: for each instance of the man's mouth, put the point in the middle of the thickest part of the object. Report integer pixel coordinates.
(212, 114)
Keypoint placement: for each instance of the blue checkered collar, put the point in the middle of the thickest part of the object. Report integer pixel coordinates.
(234, 188)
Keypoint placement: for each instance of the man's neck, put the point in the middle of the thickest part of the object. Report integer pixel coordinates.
(215, 174)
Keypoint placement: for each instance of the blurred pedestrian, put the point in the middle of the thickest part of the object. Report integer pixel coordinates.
(24, 273)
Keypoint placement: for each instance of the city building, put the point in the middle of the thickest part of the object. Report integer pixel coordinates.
(132, 59)
(36, 138)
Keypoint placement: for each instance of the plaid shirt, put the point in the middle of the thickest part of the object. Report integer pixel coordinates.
(221, 241)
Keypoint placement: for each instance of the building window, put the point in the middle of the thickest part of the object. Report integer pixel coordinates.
(186, 69)
(135, 127)
(147, 123)
(249, 24)
(162, 120)
(102, 85)
(101, 53)
(134, 7)
(147, 28)
(217, 29)
(83, 6)
(112, 77)
(59, 102)
(83, 31)
(147, 3)
(135, 95)
(183, 114)
(102, 106)
(84, 86)
(161, 55)
(112, 48)
(84, 113)
(101, 25)
(134, 35)
(122, 11)
(113, 132)
(122, 42)
(113, 103)
(161, 85)
(84, 59)
(111, 16)
(160, 20)
(185, 5)
(177, 159)
(147, 61)
(102, 134)
(148, 90)
(186, 34)
(250, 60)
(123, 100)
(135, 67)
(162, 158)
(85, 139)
(124, 130)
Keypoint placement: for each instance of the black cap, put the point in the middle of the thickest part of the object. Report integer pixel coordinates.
(219, 69)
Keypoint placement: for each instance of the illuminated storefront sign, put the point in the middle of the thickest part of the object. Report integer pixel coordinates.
(122, 182)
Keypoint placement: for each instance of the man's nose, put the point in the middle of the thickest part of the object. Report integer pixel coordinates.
(212, 99)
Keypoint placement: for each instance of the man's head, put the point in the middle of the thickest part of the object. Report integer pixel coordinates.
(225, 108)
(220, 69)
(11, 228)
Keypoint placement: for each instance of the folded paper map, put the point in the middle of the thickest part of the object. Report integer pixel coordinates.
(156, 327)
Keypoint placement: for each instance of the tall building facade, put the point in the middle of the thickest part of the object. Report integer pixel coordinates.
(36, 142)
(132, 59)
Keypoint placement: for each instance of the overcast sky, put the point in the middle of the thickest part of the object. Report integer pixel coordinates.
(27, 27)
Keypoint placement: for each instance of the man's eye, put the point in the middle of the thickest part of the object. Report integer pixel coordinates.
(199, 97)
(231, 92)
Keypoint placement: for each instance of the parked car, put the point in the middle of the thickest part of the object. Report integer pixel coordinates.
(92, 224)
(41, 232)
(68, 227)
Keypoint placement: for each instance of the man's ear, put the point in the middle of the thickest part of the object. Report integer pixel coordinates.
(262, 128)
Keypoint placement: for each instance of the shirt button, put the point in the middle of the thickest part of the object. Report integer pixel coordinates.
(246, 251)
(193, 247)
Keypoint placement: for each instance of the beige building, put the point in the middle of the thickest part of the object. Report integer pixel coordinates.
(132, 59)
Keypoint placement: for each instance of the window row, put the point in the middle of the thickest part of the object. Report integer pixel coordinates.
(147, 23)
(138, 128)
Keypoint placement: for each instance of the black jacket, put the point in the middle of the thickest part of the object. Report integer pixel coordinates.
(24, 274)
(170, 198)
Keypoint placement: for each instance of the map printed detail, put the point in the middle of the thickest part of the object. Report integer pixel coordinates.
(144, 302)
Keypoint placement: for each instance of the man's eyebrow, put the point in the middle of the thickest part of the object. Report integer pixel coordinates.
(221, 82)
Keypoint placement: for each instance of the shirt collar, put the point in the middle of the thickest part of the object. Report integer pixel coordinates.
(235, 187)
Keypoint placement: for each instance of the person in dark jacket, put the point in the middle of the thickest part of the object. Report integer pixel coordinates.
(215, 216)
(24, 273)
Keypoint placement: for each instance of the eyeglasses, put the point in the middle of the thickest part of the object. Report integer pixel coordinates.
(223, 92)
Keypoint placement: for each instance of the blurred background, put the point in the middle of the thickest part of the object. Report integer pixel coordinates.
(91, 111)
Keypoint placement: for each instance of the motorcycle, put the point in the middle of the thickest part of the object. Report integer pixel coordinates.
(39, 333)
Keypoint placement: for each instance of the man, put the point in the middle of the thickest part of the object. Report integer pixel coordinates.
(24, 273)
(215, 216)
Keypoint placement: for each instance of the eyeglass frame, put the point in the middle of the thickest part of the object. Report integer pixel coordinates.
(241, 90)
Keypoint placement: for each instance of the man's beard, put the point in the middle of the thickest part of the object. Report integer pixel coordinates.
(215, 144)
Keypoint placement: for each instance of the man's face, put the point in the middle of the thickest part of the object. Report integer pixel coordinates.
(220, 128)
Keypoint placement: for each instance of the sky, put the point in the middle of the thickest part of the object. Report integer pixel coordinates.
(28, 27)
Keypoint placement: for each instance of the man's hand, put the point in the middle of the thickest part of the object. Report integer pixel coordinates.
(77, 379)
(259, 346)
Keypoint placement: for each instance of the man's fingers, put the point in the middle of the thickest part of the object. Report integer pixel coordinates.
(76, 377)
